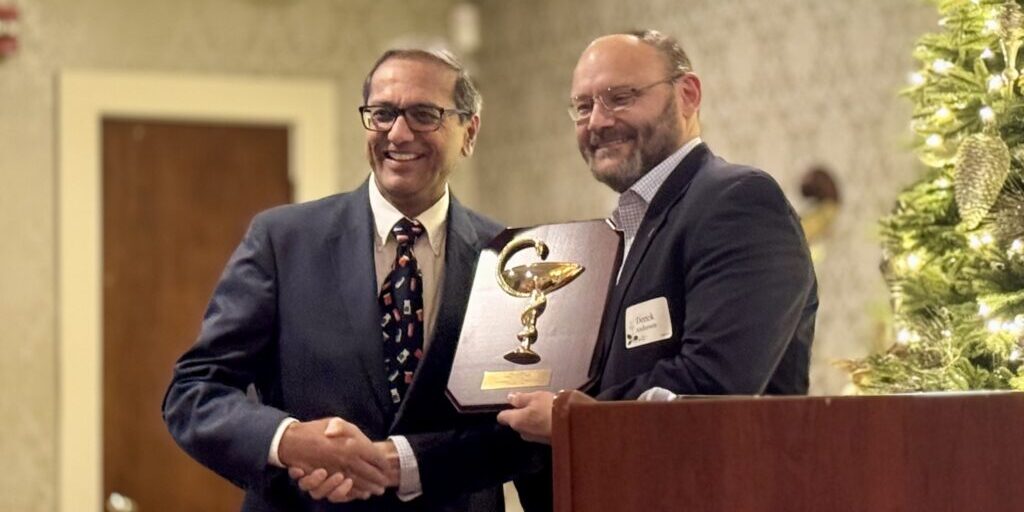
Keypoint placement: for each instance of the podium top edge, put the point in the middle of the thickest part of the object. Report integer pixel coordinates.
(709, 399)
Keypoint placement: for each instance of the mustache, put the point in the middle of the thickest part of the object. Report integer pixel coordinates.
(608, 134)
(386, 146)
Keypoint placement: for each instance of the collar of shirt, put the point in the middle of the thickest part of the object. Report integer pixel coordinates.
(649, 184)
(633, 203)
(385, 215)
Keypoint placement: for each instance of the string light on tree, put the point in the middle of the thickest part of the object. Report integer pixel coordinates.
(1016, 249)
(995, 83)
(980, 240)
(906, 336)
(942, 66)
(994, 325)
(1013, 328)
(913, 262)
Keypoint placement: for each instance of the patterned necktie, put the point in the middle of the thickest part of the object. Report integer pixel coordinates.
(401, 306)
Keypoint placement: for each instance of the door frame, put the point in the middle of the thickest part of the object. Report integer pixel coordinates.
(306, 107)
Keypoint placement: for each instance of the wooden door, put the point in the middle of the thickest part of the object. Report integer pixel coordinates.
(177, 198)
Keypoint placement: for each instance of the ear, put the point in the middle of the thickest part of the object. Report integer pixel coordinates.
(471, 131)
(688, 93)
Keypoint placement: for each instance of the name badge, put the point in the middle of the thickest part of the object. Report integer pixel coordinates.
(648, 322)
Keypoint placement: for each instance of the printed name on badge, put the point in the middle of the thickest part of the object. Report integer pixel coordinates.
(648, 322)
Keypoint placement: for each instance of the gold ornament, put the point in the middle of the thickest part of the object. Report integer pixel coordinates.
(982, 166)
(1011, 21)
(1011, 34)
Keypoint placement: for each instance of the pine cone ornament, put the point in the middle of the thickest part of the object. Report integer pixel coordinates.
(982, 166)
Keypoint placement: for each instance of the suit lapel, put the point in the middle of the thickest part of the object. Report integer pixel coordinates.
(671, 191)
(461, 249)
(352, 253)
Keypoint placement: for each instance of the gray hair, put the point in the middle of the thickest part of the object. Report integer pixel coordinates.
(676, 58)
(465, 95)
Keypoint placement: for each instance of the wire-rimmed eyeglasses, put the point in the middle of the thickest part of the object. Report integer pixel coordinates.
(613, 99)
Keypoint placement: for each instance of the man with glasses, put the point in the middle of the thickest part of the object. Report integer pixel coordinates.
(327, 345)
(716, 293)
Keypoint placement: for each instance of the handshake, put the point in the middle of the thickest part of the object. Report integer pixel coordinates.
(331, 458)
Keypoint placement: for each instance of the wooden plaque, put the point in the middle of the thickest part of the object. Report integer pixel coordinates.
(567, 330)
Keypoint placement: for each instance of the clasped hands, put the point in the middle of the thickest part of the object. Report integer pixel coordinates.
(331, 458)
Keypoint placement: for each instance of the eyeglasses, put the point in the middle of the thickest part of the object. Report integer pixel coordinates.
(420, 118)
(613, 99)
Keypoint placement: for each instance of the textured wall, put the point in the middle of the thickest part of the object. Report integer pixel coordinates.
(309, 38)
(787, 84)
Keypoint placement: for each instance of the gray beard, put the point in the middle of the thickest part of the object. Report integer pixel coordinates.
(622, 176)
(654, 146)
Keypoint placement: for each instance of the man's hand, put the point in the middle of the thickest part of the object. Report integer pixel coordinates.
(394, 467)
(338, 489)
(531, 416)
(338, 461)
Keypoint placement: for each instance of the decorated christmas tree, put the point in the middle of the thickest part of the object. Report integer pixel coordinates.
(953, 247)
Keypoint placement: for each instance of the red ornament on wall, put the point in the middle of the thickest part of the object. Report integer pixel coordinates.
(8, 39)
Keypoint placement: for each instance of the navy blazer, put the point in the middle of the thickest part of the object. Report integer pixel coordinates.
(295, 318)
(724, 248)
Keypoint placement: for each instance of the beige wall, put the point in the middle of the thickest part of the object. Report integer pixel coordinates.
(787, 83)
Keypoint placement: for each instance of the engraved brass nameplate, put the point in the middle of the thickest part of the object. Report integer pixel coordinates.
(515, 379)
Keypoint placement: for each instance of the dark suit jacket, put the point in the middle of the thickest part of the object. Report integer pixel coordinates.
(295, 316)
(723, 246)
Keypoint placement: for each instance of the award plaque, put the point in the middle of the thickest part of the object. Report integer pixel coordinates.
(534, 312)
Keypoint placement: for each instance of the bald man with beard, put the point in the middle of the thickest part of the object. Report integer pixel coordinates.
(715, 260)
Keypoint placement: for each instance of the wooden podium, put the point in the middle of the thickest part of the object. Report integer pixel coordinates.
(957, 452)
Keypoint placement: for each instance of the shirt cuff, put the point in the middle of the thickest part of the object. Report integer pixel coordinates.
(657, 394)
(272, 457)
(409, 487)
